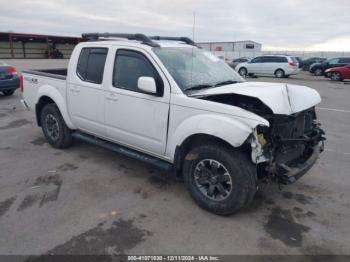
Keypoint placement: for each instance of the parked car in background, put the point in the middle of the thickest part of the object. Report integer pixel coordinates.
(277, 65)
(299, 60)
(338, 73)
(319, 68)
(9, 80)
(237, 61)
(305, 64)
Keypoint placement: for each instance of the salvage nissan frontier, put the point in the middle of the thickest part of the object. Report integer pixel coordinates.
(167, 102)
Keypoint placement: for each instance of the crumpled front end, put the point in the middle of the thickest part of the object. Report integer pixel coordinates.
(289, 147)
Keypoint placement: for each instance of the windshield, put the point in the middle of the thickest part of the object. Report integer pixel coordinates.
(193, 68)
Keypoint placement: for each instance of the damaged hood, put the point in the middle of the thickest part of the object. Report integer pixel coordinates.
(281, 98)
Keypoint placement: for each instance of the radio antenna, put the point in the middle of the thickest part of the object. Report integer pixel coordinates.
(194, 26)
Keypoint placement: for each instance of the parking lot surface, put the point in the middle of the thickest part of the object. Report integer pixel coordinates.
(86, 200)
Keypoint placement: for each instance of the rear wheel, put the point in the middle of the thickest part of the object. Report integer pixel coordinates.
(279, 73)
(8, 92)
(54, 128)
(318, 72)
(336, 76)
(243, 71)
(220, 180)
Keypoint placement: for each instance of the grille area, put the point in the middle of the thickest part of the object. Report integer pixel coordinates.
(295, 126)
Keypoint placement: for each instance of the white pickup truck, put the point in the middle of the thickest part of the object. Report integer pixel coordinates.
(164, 101)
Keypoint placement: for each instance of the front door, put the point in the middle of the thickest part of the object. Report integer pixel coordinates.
(256, 65)
(133, 117)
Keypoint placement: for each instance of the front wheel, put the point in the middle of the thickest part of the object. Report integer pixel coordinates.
(54, 128)
(336, 76)
(243, 72)
(8, 92)
(220, 180)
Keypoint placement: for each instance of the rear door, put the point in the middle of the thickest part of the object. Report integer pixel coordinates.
(86, 91)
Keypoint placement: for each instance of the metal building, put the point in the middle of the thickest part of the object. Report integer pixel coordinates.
(34, 46)
(230, 50)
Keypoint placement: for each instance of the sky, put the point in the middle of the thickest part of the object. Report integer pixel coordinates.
(310, 25)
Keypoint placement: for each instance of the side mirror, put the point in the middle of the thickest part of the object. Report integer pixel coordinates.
(147, 84)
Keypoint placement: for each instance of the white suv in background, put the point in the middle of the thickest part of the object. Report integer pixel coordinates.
(277, 65)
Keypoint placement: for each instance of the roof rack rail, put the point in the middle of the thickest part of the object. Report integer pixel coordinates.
(172, 38)
(138, 37)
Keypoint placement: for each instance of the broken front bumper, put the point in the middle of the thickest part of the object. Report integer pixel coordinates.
(294, 173)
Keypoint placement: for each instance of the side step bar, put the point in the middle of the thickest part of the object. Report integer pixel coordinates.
(168, 167)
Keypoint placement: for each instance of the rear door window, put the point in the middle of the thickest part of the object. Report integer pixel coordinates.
(280, 59)
(91, 64)
(268, 59)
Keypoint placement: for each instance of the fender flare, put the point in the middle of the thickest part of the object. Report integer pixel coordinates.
(56, 96)
(231, 130)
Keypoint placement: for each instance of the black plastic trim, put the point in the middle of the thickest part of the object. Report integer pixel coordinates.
(138, 37)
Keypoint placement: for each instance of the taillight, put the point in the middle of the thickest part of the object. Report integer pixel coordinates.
(11, 70)
(21, 84)
(292, 64)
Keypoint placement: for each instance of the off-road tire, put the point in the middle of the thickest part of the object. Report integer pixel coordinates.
(242, 171)
(8, 92)
(64, 138)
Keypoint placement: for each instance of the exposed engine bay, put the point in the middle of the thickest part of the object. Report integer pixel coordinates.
(288, 148)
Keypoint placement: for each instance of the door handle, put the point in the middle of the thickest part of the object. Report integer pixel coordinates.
(112, 97)
(75, 90)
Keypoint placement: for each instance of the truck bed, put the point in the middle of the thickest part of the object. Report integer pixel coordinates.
(59, 73)
(35, 79)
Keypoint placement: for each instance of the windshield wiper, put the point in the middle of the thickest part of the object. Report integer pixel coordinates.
(227, 82)
(198, 87)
